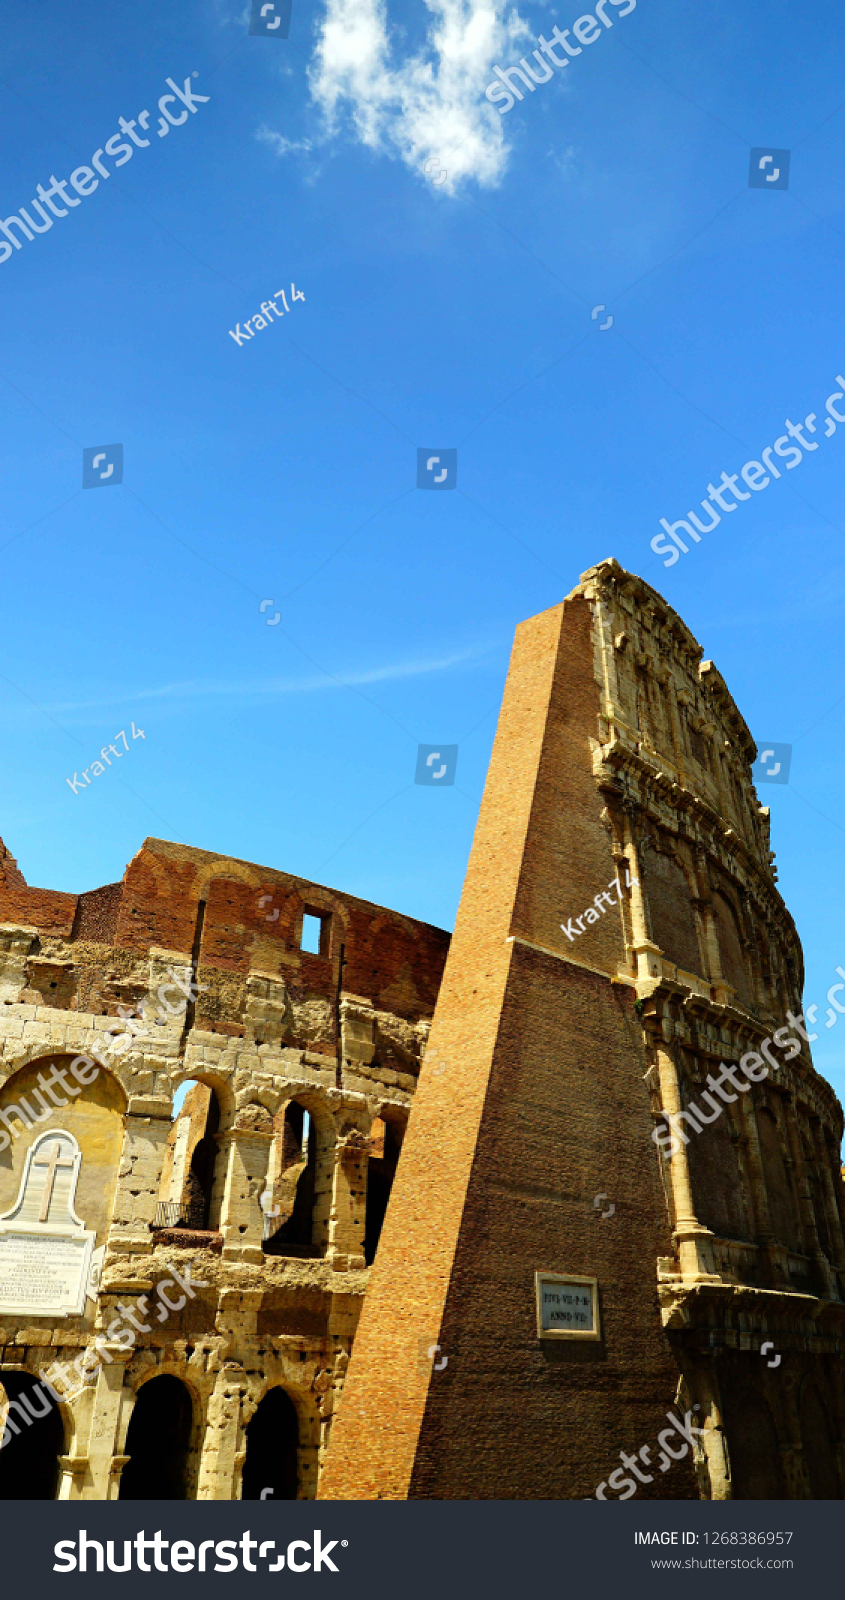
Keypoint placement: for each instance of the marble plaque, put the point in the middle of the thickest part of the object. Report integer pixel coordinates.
(43, 1275)
(567, 1306)
(45, 1248)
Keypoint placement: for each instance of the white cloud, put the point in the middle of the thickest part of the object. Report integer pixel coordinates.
(270, 688)
(431, 103)
(565, 160)
(279, 143)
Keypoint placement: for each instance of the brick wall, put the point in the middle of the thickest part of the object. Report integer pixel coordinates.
(541, 1107)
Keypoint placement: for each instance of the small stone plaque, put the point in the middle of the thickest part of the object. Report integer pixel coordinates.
(42, 1276)
(567, 1306)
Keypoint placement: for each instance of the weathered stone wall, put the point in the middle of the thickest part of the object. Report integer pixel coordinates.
(556, 1050)
(341, 1032)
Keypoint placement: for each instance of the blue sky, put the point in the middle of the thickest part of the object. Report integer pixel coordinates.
(446, 315)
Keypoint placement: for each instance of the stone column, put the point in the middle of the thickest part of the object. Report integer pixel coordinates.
(691, 1236)
(104, 1482)
(246, 1153)
(712, 1441)
(642, 944)
(76, 1416)
(221, 1459)
(348, 1207)
(323, 1130)
(704, 907)
(71, 1484)
(148, 1127)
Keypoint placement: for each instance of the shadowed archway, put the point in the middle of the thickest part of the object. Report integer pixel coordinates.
(753, 1445)
(272, 1442)
(33, 1439)
(158, 1441)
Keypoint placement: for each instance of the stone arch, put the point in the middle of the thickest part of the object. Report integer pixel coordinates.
(778, 1188)
(387, 1134)
(317, 901)
(260, 1094)
(219, 1082)
(670, 890)
(227, 869)
(756, 1468)
(719, 1183)
(94, 1116)
(731, 957)
(36, 1053)
(159, 1439)
(193, 1176)
(33, 1438)
(300, 1174)
(818, 1443)
(272, 1446)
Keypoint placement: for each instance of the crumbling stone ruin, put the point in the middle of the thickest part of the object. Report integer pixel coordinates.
(270, 1187)
(276, 1291)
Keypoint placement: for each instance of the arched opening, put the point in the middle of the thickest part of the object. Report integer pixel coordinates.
(291, 1184)
(272, 1442)
(89, 1104)
(731, 956)
(188, 1197)
(385, 1149)
(158, 1441)
(753, 1446)
(672, 916)
(782, 1207)
(33, 1439)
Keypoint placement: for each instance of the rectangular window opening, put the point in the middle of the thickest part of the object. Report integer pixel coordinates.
(314, 934)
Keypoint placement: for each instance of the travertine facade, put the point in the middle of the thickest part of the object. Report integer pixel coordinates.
(619, 755)
(333, 1037)
(554, 1057)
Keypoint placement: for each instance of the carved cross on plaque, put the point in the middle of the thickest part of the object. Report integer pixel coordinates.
(51, 1162)
(45, 1248)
